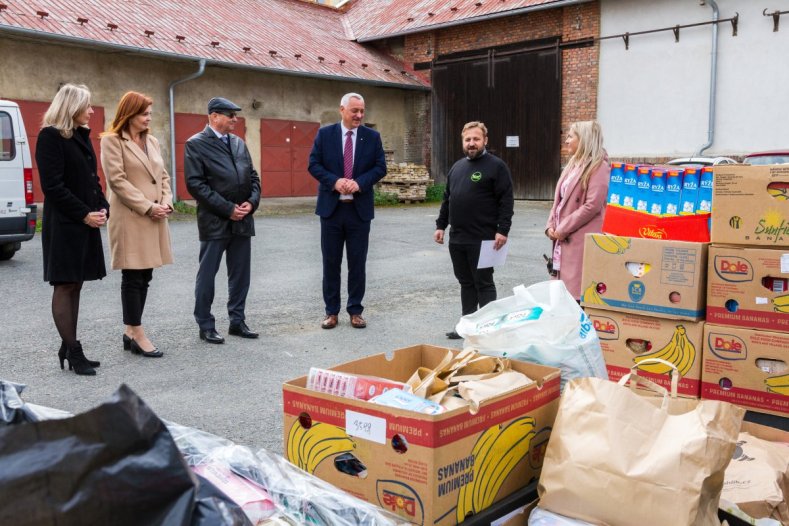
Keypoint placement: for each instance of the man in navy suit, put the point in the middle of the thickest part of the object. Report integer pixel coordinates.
(347, 159)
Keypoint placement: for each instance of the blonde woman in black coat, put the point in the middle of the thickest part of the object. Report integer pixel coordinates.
(74, 210)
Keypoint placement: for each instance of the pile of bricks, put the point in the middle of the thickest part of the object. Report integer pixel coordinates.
(408, 181)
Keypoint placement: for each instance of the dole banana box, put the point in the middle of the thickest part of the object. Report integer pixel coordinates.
(429, 469)
(750, 205)
(653, 277)
(746, 367)
(628, 339)
(749, 287)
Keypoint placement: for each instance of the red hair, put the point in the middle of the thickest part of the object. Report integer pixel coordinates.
(131, 105)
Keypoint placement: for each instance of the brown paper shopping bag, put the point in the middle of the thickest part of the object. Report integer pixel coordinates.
(618, 458)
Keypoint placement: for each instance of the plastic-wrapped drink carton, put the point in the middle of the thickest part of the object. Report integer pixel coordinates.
(672, 201)
(616, 183)
(629, 186)
(657, 191)
(643, 188)
(705, 191)
(690, 191)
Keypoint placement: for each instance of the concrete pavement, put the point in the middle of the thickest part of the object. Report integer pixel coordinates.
(234, 390)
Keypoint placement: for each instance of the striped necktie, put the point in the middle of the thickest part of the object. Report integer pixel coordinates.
(347, 156)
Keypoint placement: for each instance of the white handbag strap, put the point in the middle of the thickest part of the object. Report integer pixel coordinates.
(635, 379)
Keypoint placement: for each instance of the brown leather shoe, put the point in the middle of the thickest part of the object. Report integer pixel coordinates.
(357, 322)
(330, 322)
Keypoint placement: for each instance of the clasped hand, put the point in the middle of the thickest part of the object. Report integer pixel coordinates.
(346, 186)
(241, 211)
(96, 219)
(159, 211)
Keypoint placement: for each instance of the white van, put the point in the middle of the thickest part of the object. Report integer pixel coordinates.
(17, 210)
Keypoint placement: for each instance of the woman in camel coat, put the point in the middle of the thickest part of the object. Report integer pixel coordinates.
(141, 200)
(579, 202)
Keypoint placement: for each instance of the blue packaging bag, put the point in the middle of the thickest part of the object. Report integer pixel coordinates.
(672, 202)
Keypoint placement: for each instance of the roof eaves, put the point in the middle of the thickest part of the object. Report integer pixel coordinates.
(90, 43)
(490, 16)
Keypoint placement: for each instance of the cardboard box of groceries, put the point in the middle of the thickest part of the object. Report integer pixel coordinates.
(627, 339)
(653, 277)
(750, 205)
(746, 367)
(748, 287)
(430, 469)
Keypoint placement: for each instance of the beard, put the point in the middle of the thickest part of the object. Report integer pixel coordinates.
(473, 154)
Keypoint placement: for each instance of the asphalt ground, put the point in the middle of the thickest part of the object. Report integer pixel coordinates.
(235, 390)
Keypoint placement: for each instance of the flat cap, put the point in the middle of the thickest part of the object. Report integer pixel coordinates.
(218, 104)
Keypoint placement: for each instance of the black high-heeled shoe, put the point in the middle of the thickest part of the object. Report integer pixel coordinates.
(77, 361)
(136, 349)
(62, 356)
(126, 343)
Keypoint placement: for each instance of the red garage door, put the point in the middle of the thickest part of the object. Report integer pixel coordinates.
(284, 156)
(33, 113)
(186, 125)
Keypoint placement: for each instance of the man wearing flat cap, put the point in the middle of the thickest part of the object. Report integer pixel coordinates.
(220, 176)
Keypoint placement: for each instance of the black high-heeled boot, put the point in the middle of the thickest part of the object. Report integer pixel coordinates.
(78, 362)
(62, 356)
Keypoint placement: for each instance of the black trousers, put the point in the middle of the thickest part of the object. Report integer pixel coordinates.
(476, 285)
(134, 291)
(238, 253)
(344, 229)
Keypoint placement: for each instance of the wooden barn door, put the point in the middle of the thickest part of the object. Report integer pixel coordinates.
(516, 92)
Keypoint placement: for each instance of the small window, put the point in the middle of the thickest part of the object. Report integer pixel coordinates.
(7, 150)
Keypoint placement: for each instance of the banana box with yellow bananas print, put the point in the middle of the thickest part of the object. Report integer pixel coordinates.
(430, 469)
(653, 277)
(746, 367)
(750, 205)
(749, 287)
(628, 339)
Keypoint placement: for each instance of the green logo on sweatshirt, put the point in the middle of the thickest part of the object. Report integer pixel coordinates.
(476, 176)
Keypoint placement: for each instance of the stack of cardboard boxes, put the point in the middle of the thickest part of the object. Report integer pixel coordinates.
(746, 355)
(645, 298)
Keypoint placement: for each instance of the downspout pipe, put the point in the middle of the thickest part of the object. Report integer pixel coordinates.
(713, 77)
(198, 73)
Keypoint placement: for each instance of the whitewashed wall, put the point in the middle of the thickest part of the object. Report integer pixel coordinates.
(653, 98)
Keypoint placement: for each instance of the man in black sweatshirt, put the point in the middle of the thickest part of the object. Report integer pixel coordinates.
(478, 203)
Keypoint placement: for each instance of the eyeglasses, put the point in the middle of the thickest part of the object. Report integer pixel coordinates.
(228, 114)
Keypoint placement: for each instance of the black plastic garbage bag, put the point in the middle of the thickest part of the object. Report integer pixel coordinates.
(113, 465)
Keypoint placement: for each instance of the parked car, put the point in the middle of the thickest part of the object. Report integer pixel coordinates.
(701, 161)
(17, 210)
(770, 157)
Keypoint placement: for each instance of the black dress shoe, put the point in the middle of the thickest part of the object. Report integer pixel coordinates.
(241, 329)
(211, 336)
(136, 349)
(454, 336)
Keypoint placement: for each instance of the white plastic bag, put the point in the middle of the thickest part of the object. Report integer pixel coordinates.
(541, 517)
(541, 324)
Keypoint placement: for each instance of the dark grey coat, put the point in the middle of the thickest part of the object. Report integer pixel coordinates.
(218, 182)
(67, 169)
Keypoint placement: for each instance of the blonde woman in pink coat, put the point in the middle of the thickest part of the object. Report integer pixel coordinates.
(579, 202)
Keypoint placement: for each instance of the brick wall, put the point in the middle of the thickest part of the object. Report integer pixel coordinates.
(579, 65)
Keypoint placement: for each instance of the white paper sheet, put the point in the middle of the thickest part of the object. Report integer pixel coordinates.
(492, 258)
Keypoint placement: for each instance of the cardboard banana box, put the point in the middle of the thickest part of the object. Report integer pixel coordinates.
(746, 367)
(750, 205)
(652, 277)
(627, 339)
(430, 469)
(748, 287)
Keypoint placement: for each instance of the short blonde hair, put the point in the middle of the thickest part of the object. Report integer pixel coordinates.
(70, 101)
(475, 124)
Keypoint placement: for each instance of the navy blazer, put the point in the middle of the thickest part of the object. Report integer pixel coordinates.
(326, 165)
